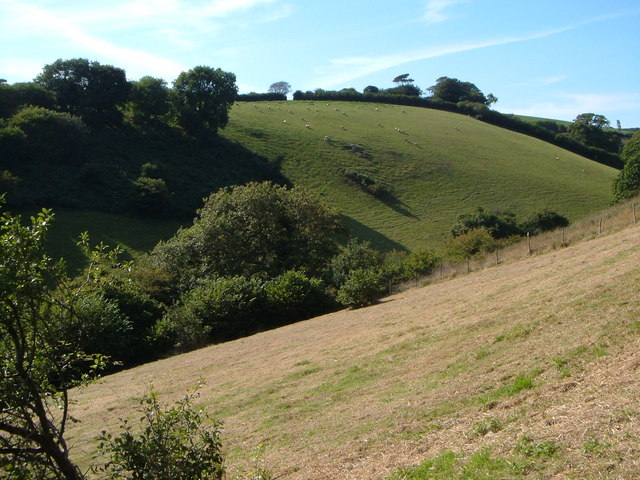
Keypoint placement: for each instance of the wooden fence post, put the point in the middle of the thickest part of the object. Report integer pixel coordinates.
(529, 242)
(633, 205)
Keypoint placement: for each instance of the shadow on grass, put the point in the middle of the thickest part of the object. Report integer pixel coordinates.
(377, 239)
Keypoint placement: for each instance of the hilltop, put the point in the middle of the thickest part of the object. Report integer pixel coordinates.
(529, 367)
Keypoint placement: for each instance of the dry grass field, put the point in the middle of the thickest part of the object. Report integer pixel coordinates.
(546, 347)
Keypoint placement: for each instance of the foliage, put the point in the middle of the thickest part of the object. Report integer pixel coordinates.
(201, 99)
(12, 97)
(87, 89)
(37, 364)
(407, 89)
(13, 142)
(543, 221)
(361, 287)
(148, 100)
(627, 182)
(220, 309)
(473, 242)
(151, 197)
(293, 296)
(356, 255)
(454, 91)
(498, 225)
(403, 79)
(421, 262)
(530, 448)
(259, 229)
(371, 89)
(588, 129)
(280, 87)
(178, 442)
(50, 136)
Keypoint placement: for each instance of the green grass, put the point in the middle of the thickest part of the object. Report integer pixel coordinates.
(436, 166)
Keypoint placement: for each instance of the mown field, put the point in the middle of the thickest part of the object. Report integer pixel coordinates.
(436, 165)
(524, 370)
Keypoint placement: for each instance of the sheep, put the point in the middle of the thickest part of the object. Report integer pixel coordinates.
(284, 121)
(327, 138)
(342, 127)
(307, 126)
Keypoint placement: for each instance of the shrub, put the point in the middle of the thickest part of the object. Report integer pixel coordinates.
(220, 309)
(174, 443)
(356, 255)
(51, 136)
(421, 262)
(361, 287)
(543, 221)
(151, 196)
(293, 296)
(469, 244)
(13, 143)
(498, 225)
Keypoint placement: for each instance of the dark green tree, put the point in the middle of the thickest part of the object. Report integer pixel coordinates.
(280, 87)
(259, 229)
(499, 225)
(589, 129)
(543, 221)
(148, 100)
(12, 97)
(371, 89)
(201, 99)
(87, 89)
(627, 183)
(403, 79)
(454, 91)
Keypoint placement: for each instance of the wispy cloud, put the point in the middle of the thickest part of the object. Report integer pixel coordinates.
(435, 10)
(343, 70)
(541, 82)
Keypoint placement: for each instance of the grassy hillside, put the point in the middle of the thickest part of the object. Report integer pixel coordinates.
(526, 370)
(435, 164)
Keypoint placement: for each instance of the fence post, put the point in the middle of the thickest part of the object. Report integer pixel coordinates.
(563, 236)
(529, 242)
(600, 226)
(633, 205)
(497, 259)
(468, 267)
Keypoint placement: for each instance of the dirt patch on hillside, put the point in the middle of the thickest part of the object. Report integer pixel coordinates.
(545, 347)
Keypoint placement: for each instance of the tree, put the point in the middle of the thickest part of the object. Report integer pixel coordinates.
(87, 89)
(149, 99)
(454, 91)
(498, 225)
(280, 87)
(588, 129)
(34, 360)
(627, 183)
(201, 99)
(259, 229)
(371, 89)
(403, 79)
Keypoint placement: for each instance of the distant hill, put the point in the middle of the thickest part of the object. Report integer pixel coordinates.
(424, 167)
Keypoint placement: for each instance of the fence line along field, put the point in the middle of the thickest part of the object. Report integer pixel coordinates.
(531, 365)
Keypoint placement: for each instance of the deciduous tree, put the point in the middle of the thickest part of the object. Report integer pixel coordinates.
(201, 99)
(280, 87)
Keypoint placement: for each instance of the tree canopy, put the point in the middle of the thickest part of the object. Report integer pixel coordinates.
(454, 91)
(280, 87)
(259, 229)
(87, 89)
(627, 183)
(202, 98)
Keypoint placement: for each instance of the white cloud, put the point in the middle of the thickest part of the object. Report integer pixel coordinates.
(541, 82)
(435, 10)
(567, 106)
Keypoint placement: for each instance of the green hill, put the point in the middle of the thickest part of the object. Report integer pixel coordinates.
(433, 164)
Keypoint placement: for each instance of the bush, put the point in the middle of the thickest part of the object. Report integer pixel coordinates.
(175, 443)
(498, 225)
(356, 255)
(421, 262)
(361, 287)
(222, 309)
(151, 197)
(544, 221)
(293, 296)
(51, 136)
(13, 142)
(469, 244)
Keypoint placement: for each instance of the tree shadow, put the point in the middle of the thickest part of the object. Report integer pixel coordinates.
(377, 239)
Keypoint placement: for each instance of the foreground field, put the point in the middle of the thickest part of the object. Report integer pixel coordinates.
(543, 350)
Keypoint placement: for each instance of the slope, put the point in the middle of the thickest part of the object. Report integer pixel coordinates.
(541, 352)
(431, 166)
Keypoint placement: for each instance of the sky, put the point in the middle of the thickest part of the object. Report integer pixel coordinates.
(544, 58)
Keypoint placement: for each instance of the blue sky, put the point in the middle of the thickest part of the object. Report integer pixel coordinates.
(545, 58)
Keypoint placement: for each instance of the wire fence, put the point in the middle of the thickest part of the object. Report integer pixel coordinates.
(612, 220)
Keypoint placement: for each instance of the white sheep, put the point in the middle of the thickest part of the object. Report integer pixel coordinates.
(327, 138)
(307, 126)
